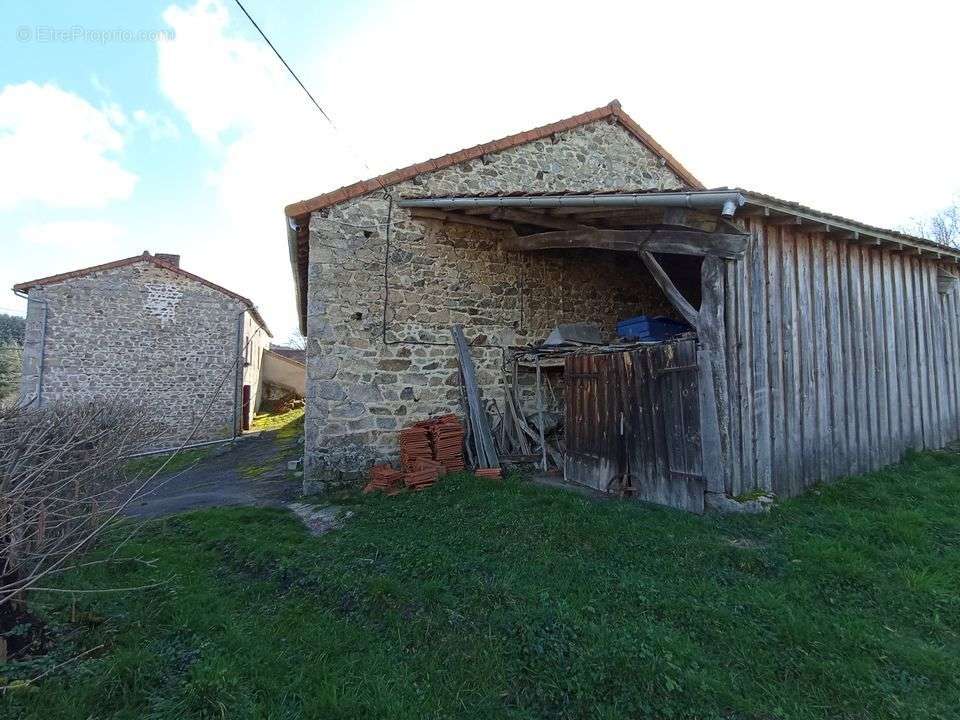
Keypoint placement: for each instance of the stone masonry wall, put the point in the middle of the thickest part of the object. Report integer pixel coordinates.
(140, 334)
(361, 386)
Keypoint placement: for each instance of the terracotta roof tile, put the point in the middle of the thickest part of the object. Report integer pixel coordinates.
(305, 207)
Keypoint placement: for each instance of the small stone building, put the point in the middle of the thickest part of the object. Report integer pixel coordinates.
(144, 330)
(824, 346)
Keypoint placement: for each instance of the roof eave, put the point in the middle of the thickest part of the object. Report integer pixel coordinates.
(834, 223)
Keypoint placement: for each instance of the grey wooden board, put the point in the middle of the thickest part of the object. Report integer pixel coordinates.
(843, 355)
(744, 347)
(824, 422)
(900, 342)
(810, 462)
(834, 341)
(775, 359)
(894, 449)
(480, 422)
(685, 493)
(871, 457)
(881, 447)
(793, 444)
(847, 365)
(758, 355)
(731, 334)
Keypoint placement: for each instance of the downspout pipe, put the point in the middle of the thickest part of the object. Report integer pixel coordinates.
(238, 377)
(724, 200)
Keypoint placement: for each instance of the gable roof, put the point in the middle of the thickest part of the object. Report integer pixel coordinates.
(298, 212)
(144, 257)
(611, 110)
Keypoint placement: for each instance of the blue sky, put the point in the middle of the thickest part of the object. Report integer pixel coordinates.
(193, 144)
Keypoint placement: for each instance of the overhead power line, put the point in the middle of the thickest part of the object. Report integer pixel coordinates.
(285, 64)
(304, 88)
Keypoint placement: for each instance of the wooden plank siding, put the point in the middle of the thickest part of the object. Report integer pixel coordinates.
(840, 357)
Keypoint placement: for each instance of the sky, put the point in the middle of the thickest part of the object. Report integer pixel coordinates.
(171, 126)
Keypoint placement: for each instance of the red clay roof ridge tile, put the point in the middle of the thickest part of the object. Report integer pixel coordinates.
(611, 109)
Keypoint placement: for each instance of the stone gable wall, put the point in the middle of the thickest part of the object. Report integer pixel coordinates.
(361, 389)
(141, 334)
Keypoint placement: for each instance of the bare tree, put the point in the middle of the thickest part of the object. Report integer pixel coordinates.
(10, 368)
(297, 341)
(942, 227)
(62, 482)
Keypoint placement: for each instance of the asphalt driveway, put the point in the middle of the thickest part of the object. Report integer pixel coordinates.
(250, 471)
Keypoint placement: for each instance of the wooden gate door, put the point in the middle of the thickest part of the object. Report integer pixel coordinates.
(633, 424)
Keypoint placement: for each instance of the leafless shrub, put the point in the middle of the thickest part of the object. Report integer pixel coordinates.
(943, 227)
(62, 482)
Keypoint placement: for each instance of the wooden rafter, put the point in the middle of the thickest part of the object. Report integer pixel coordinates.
(682, 241)
(462, 219)
(534, 218)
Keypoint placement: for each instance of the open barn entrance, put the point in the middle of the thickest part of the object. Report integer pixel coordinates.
(641, 416)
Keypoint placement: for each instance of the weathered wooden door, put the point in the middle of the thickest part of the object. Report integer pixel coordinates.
(633, 424)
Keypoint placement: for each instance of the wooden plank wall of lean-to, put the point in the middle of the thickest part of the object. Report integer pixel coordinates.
(841, 355)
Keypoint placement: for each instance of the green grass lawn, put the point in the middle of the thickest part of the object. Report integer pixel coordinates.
(287, 425)
(505, 600)
(144, 465)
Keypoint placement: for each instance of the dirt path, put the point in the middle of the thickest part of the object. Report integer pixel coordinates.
(251, 471)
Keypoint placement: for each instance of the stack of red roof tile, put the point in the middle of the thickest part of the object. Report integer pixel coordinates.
(446, 440)
(488, 473)
(435, 465)
(414, 445)
(420, 479)
(384, 478)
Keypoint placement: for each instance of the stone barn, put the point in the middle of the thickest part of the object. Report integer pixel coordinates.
(146, 331)
(822, 347)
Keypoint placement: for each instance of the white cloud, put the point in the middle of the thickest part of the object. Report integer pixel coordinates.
(58, 149)
(98, 234)
(275, 148)
(159, 127)
(847, 117)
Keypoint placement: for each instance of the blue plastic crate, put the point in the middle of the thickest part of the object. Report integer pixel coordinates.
(644, 327)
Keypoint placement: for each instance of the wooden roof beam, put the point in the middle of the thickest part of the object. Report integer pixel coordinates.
(534, 218)
(659, 240)
(779, 219)
(428, 214)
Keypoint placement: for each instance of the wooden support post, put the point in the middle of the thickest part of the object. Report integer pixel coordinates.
(714, 415)
(543, 442)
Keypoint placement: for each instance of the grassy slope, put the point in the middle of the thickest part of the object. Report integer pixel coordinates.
(491, 601)
(288, 424)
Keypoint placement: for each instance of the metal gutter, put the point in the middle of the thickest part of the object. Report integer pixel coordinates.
(299, 291)
(727, 201)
